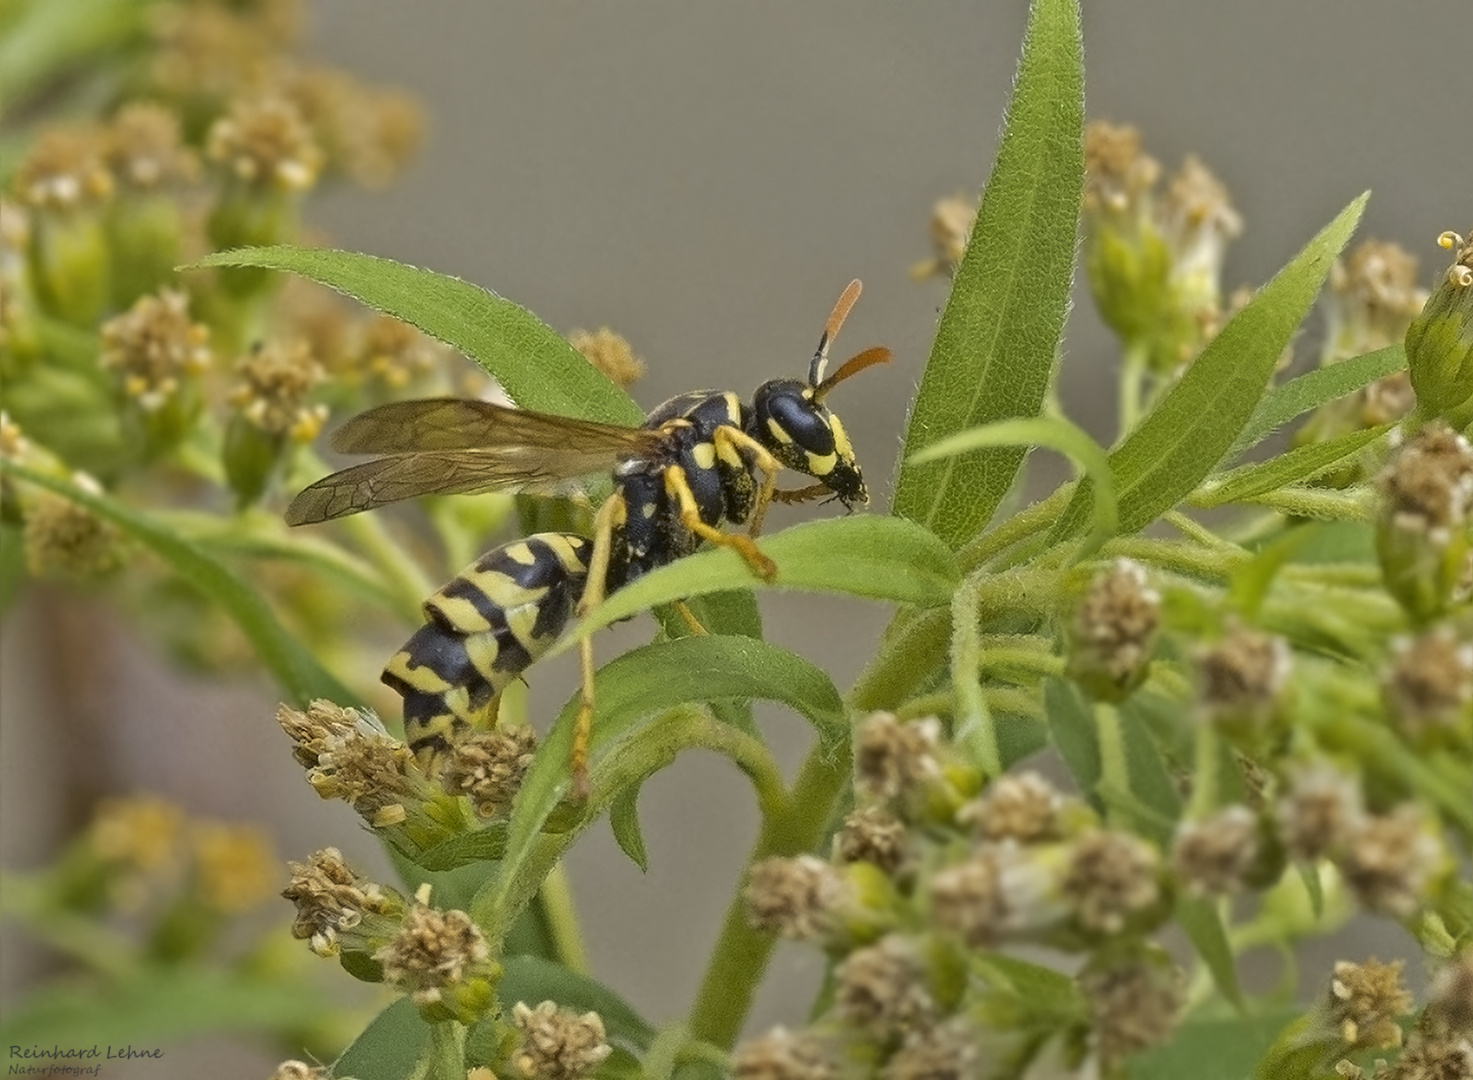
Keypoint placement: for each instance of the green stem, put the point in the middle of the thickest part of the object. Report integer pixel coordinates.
(741, 953)
(555, 897)
(1204, 781)
(1114, 769)
(447, 1052)
(1321, 504)
(1132, 378)
(974, 728)
(1025, 523)
(402, 574)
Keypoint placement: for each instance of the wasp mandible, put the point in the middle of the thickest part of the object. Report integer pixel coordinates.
(700, 460)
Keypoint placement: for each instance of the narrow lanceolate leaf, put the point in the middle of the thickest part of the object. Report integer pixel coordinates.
(1316, 388)
(631, 691)
(876, 558)
(1188, 432)
(390, 1048)
(1202, 923)
(289, 661)
(1054, 432)
(538, 368)
(995, 346)
(1300, 464)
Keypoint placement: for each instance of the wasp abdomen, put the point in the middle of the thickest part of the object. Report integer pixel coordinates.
(482, 630)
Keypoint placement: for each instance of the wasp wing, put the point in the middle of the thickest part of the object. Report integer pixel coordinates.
(402, 427)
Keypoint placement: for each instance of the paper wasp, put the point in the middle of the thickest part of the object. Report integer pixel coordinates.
(701, 459)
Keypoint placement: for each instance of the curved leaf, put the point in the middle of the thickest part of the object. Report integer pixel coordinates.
(1054, 432)
(995, 346)
(635, 687)
(390, 1048)
(1301, 463)
(877, 558)
(1201, 922)
(624, 821)
(1188, 432)
(288, 660)
(535, 364)
(1316, 388)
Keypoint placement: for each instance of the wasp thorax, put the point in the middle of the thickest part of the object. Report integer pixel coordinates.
(806, 437)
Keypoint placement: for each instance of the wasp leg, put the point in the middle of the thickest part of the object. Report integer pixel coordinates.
(678, 488)
(737, 440)
(692, 623)
(609, 514)
(800, 495)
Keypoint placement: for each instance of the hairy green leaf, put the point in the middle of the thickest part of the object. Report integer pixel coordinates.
(535, 364)
(1313, 389)
(995, 346)
(1202, 923)
(1072, 728)
(1212, 1049)
(288, 660)
(877, 558)
(1188, 432)
(390, 1048)
(624, 821)
(1054, 432)
(152, 1005)
(629, 692)
(483, 845)
(1300, 464)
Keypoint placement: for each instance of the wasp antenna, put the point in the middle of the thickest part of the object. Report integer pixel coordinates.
(876, 354)
(831, 330)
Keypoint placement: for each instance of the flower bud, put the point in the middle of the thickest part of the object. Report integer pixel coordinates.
(1439, 343)
(1422, 528)
(1112, 632)
(443, 960)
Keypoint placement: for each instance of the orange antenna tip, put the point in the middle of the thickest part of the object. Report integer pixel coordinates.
(876, 354)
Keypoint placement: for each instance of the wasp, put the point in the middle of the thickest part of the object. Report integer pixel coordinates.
(700, 460)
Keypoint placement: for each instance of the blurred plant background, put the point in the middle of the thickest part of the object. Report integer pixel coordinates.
(702, 181)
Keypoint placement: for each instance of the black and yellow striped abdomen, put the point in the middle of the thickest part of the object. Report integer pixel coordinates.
(483, 630)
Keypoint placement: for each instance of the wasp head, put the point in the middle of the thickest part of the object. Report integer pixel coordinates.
(802, 433)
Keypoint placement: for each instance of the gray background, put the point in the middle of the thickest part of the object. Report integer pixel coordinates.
(705, 178)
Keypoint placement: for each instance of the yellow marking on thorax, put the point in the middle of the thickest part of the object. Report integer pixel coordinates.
(647, 511)
(704, 455)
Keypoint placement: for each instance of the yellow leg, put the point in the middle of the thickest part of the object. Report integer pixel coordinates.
(678, 488)
(692, 623)
(611, 512)
(739, 440)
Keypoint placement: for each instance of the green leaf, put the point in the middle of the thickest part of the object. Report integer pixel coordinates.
(533, 980)
(1300, 464)
(1038, 992)
(1149, 781)
(1056, 433)
(731, 612)
(390, 1048)
(483, 845)
(1212, 1049)
(1202, 923)
(536, 365)
(1250, 583)
(994, 352)
(288, 660)
(624, 820)
(155, 1005)
(636, 687)
(877, 558)
(1313, 389)
(53, 34)
(1072, 727)
(1188, 432)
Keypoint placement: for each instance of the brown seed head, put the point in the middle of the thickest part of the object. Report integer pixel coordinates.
(1389, 860)
(397, 353)
(1119, 175)
(1020, 806)
(434, 949)
(1211, 856)
(1111, 877)
(144, 150)
(299, 1070)
(488, 766)
(1429, 685)
(154, 346)
(1244, 673)
(1320, 812)
(1115, 625)
(946, 1052)
(264, 142)
(1365, 1001)
(782, 1055)
(883, 987)
(64, 539)
(874, 836)
(793, 897)
(333, 901)
(275, 380)
(1428, 485)
(1450, 998)
(1135, 1006)
(611, 353)
(64, 171)
(558, 1044)
(892, 758)
(349, 756)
